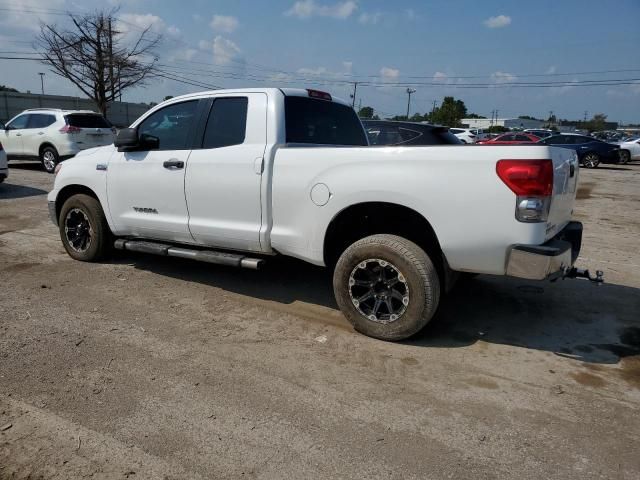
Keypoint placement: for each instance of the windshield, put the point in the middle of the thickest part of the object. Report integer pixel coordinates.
(322, 122)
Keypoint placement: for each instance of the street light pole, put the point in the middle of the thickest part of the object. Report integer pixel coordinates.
(41, 81)
(409, 92)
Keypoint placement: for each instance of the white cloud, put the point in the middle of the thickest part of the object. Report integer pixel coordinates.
(411, 14)
(312, 71)
(563, 89)
(389, 74)
(370, 18)
(187, 54)
(20, 15)
(498, 22)
(503, 77)
(348, 66)
(224, 23)
(440, 77)
(224, 50)
(551, 70)
(131, 25)
(309, 8)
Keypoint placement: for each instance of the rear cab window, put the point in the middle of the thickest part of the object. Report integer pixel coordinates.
(322, 122)
(86, 120)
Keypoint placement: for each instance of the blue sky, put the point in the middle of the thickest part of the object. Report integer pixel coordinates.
(387, 45)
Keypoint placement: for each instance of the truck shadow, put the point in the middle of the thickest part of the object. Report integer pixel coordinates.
(572, 318)
(10, 191)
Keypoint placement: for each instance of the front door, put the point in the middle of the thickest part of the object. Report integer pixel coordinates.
(146, 188)
(12, 135)
(223, 180)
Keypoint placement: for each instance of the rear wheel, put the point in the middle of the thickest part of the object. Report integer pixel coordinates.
(625, 157)
(591, 160)
(84, 230)
(386, 286)
(49, 158)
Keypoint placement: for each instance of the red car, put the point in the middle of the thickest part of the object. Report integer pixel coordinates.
(519, 138)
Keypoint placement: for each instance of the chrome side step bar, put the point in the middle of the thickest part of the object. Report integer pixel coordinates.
(209, 256)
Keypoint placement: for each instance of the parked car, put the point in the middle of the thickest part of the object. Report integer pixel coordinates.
(591, 151)
(4, 167)
(541, 133)
(630, 150)
(466, 135)
(52, 135)
(290, 172)
(384, 132)
(519, 138)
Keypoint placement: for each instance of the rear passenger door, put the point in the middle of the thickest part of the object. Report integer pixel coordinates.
(224, 174)
(33, 136)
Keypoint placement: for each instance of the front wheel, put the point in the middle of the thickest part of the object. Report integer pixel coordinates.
(84, 230)
(591, 160)
(49, 158)
(386, 286)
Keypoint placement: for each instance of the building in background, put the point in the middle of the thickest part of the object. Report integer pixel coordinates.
(120, 114)
(485, 123)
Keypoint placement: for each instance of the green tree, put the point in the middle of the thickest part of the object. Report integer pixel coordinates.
(168, 97)
(4, 88)
(597, 122)
(449, 113)
(366, 112)
(474, 115)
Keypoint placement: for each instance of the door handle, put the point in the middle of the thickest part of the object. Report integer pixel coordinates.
(18, 134)
(173, 164)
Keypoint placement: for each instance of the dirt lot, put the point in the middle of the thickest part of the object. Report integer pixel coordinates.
(145, 367)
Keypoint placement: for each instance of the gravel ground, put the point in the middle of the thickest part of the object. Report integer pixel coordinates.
(144, 367)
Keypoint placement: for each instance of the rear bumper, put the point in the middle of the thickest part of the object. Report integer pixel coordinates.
(549, 260)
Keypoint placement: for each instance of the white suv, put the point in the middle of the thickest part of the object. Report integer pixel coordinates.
(52, 135)
(467, 135)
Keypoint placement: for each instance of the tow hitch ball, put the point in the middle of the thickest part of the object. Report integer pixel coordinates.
(574, 272)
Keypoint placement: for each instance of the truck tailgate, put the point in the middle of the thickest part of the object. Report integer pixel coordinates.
(565, 181)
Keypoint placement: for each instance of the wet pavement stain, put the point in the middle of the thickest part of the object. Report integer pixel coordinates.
(630, 371)
(588, 379)
(483, 383)
(584, 191)
(409, 361)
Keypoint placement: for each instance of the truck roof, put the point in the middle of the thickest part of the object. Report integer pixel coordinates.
(289, 92)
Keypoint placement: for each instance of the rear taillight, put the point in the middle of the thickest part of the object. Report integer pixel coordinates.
(70, 129)
(532, 182)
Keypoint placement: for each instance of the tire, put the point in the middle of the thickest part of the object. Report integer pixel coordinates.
(591, 160)
(84, 210)
(49, 158)
(386, 268)
(625, 157)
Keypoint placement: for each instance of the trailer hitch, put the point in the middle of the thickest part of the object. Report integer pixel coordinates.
(583, 273)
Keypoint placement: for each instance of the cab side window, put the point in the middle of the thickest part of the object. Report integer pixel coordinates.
(171, 125)
(227, 123)
(19, 123)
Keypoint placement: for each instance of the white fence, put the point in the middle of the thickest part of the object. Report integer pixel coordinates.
(120, 114)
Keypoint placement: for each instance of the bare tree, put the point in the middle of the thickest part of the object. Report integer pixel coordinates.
(93, 55)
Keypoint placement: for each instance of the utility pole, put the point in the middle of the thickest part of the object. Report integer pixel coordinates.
(409, 92)
(110, 47)
(353, 97)
(585, 115)
(433, 110)
(41, 81)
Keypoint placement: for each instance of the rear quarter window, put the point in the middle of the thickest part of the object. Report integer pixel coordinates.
(322, 122)
(86, 120)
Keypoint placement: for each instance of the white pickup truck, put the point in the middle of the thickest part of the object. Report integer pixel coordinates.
(235, 176)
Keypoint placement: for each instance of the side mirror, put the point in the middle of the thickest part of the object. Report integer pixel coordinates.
(127, 140)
